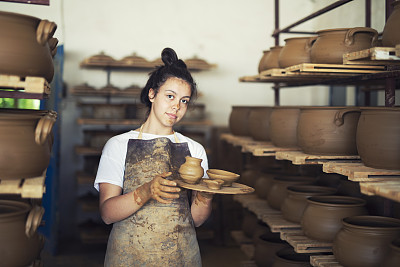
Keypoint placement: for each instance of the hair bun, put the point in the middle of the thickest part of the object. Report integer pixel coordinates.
(169, 56)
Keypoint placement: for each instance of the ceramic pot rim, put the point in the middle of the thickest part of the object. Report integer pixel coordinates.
(287, 107)
(310, 189)
(337, 201)
(339, 29)
(21, 208)
(275, 47)
(299, 38)
(380, 109)
(386, 224)
(22, 16)
(326, 107)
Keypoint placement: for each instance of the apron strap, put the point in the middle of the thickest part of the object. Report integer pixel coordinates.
(141, 135)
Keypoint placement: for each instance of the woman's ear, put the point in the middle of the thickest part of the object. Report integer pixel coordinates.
(152, 94)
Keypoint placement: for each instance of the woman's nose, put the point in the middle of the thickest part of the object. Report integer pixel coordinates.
(176, 105)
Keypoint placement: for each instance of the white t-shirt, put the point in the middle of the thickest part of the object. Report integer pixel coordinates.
(112, 162)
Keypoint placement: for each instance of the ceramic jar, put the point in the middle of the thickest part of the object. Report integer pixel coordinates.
(328, 130)
(249, 176)
(263, 184)
(262, 65)
(378, 137)
(364, 241)
(391, 34)
(259, 125)
(191, 171)
(283, 126)
(272, 59)
(393, 257)
(287, 257)
(20, 244)
(296, 51)
(322, 218)
(266, 247)
(25, 142)
(295, 203)
(331, 44)
(239, 120)
(25, 45)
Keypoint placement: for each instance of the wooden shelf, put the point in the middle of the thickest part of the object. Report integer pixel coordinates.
(300, 158)
(324, 261)
(12, 86)
(373, 56)
(85, 90)
(27, 187)
(88, 151)
(386, 189)
(303, 244)
(89, 121)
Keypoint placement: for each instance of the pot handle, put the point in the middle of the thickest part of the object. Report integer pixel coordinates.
(310, 43)
(33, 221)
(53, 46)
(349, 38)
(44, 127)
(45, 31)
(339, 115)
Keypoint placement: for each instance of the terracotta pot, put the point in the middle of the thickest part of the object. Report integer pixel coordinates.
(191, 171)
(364, 240)
(24, 142)
(195, 112)
(262, 65)
(266, 247)
(20, 244)
(283, 126)
(259, 123)
(328, 130)
(249, 223)
(295, 203)
(296, 51)
(24, 46)
(271, 60)
(391, 34)
(331, 44)
(287, 257)
(393, 257)
(239, 120)
(249, 176)
(322, 218)
(378, 140)
(263, 184)
(278, 192)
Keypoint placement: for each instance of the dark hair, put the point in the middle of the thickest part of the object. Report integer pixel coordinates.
(173, 67)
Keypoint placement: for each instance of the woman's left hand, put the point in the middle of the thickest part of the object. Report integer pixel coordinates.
(163, 190)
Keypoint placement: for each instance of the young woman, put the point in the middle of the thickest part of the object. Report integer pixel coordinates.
(153, 221)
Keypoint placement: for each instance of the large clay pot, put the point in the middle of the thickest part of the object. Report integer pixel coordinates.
(283, 126)
(328, 130)
(378, 137)
(271, 60)
(259, 123)
(278, 192)
(287, 257)
(239, 120)
(266, 247)
(262, 65)
(263, 184)
(393, 257)
(20, 244)
(296, 51)
(331, 44)
(250, 175)
(191, 171)
(364, 241)
(391, 34)
(322, 218)
(295, 203)
(25, 45)
(25, 146)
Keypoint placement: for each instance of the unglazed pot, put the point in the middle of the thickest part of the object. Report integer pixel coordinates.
(283, 126)
(239, 120)
(296, 51)
(259, 125)
(295, 203)
(20, 244)
(271, 60)
(191, 171)
(263, 184)
(25, 142)
(378, 137)
(322, 218)
(393, 257)
(266, 247)
(249, 223)
(391, 34)
(328, 130)
(287, 257)
(25, 46)
(364, 241)
(262, 65)
(331, 44)
(249, 176)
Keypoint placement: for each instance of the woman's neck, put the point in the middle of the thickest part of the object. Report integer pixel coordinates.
(153, 128)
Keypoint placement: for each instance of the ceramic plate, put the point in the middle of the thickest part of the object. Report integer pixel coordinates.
(236, 188)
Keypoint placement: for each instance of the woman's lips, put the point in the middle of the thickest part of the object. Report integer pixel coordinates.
(171, 116)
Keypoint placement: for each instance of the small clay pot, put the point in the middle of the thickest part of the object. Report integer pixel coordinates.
(259, 123)
(272, 59)
(283, 126)
(296, 51)
(322, 218)
(393, 257)
(227, 177)
(191, 171)
(214, 184)
(262, 64)
(239, 120)
(287, 257)
(266, 247)
(364, 240)
(391, 34)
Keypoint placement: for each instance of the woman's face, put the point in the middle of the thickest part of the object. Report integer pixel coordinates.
(171, 102)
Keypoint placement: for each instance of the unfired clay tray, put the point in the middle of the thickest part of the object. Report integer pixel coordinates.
(236, 188)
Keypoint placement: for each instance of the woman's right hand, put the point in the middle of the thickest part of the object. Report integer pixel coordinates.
(163, 190)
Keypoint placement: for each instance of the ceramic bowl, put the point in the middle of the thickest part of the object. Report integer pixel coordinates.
(213, 184)
(227, 177)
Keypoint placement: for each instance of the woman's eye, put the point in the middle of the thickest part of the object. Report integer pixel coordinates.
(170, 96)
(185, 101)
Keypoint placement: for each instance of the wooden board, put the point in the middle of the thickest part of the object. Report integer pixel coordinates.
(27, 187)
(85, 90)
(278, 224)
(303, 244)
(386, 189)
(28, 85)
(236, 140)
(324, 261)
(300, 158)
(372, 56)
(274, 72)
(335, 68)
(236, 188)
(256, 205)
(397, 50)
(264, 149)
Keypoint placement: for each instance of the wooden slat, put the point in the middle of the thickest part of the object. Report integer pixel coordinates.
(372, 56)
(32, 85)
(278, 224)
(386, 189)
(263, 149)
(85, 178)
(300, 158)
(236, 140)
(324, 261)
(274, 72)
(27, 187)
(335, 68)
(303, 244)
(397, 50)
(256, 205)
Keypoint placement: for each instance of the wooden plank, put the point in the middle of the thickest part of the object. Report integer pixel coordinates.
(274, 72)
(32, 85)
(26, 187)
(303, 244)
(236, 140)
(278, 224)
(262, 149)
(372, 56)
(397, 50)
(300, 158)
(333, 68)
(386, 189)
(324, 261)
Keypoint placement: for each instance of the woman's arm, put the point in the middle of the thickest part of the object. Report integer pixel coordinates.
(201, 207)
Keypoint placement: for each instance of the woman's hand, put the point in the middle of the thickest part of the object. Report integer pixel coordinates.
(163, 190)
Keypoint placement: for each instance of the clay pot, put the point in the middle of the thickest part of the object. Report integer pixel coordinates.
(278, 192)
(271, 60)
(263, 184)
(238, 120)
(364, 240)
(393, 257)
(266, 247)
(249, 223)
(195, 112)
(322, 218)
(25, 144)
(378, 137)
(391, 34)
(250, 176)
(331, 44)
(283, 126)
(296, 51)
(328, 130)
(191, 171)
(263, 62)
(295, 203)
(287, 257)
(259, 123)
(20, 244)
(25, 45)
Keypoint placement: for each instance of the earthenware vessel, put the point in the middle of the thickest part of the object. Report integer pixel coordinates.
(322, 218)
(295, 203)
(239, 120)
(378, 137)
(213, 184)
(364, 241)
(283, 126)
(259, 123)
(296, 51)
(287, 257)
(331, 44)
(263, 184)
(249, 223)
(393, 257)
(391, 34)
(328, 130)
(266, 247)
(191, 171)
(271, 61)
(262, 64)
(227, 177)
(250, 175)
(25, 45)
